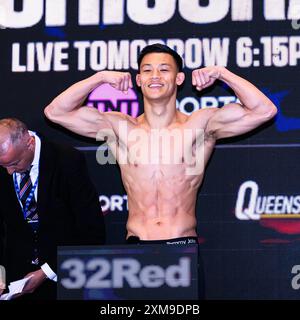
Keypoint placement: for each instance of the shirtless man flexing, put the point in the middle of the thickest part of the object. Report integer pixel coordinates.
(162, 194)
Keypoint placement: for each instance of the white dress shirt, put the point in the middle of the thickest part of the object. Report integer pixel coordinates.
(34, 173)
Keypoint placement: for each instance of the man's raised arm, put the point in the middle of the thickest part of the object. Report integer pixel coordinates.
(234, 119)
(67, 110)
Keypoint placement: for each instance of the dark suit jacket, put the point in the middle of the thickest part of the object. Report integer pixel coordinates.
(68, 208)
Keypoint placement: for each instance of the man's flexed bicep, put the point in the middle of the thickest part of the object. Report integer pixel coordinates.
(235, 118)
(67, 110)
(86, 121)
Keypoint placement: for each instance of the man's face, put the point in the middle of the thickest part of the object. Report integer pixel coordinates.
(18, 158)
(159, 76)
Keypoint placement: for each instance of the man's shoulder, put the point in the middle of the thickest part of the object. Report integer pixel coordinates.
(3, 174)
(205, 112)
(202, 116)
(116, 116)
(60, 151)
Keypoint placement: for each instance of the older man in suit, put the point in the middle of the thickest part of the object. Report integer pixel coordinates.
(46, 200)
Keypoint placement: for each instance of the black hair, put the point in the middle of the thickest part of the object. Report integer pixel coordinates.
(160, 48)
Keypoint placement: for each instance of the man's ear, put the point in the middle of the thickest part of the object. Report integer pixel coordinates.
(180, 78)
(138, 80)
(31, 143)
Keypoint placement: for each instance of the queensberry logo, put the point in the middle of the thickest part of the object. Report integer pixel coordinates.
(106, 98)
(278, 212)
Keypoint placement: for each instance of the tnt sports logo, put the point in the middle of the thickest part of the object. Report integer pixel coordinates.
(106, 98)
(277, 212)
(113, 203)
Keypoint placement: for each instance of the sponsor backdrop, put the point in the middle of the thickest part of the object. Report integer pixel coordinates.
(152, 272)
(248, 208)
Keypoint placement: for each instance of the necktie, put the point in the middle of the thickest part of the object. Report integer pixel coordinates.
(30, 210)
(25, 189)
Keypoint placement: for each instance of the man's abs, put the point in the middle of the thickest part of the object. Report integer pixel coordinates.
(161, 202)
(161, 226)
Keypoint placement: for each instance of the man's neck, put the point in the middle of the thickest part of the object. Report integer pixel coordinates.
(160, 115)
